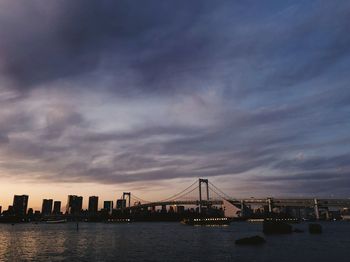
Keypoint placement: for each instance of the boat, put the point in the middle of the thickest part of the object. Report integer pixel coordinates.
(56, 221)
(255, 220)
(286, 219)
(118, 220)
(207, 221)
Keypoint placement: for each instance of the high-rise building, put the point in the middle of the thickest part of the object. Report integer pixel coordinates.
(46, 208)
(0, 209)
(108, 206)
(121, 203)
(74, 204)
(20, 204)
(57, 207)
(93, 205)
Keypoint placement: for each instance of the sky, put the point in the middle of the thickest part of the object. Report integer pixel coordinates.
(101, 97)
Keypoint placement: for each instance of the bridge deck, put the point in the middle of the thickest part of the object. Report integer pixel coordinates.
(276, 202)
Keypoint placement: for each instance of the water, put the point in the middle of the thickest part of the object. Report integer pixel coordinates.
(167, 242)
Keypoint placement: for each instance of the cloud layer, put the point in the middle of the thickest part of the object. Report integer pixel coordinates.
(254, 94)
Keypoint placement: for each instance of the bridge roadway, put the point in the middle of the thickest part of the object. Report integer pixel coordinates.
(275, 202)
(176, 203)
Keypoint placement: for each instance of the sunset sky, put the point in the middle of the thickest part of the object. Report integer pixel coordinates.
(101, 97)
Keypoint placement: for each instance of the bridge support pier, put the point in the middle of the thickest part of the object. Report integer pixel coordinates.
(269, 202)
(317, 211)
(242, 208)
(327, 214)
(299, 213)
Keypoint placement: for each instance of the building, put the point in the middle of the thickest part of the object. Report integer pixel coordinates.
(108, 206)
(230, 210)
(180, 209)
(30, 212)
(46, 208)
(93, 205)
(10, 210)
(121, 203)
(20, 204)
(74, 204)
(163, 210)
(57, 207)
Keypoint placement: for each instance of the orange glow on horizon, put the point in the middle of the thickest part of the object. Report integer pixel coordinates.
(39, 191)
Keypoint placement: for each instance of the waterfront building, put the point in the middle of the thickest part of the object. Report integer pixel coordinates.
(163, 210)
(46, 208)
(93, 205)
(108, 206)
(74, 204)
(20, 204)
(121, 203)
(57, 207)
(30, 212)
(10, 210)
(180, 209)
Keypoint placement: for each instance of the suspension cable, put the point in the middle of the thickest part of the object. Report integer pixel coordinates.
(173, 196)
(185, 194)
(139, 199)
(218, 189)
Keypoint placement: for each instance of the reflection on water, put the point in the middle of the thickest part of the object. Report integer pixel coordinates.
(166, 242)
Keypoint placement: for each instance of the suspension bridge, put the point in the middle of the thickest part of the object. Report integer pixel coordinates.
(194, 194)
(204, 194)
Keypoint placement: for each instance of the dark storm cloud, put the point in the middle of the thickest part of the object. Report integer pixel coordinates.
(317, 163)
(308, 176)
(316, 43)
(67, 39)
(169, 42)
(312, 183)
(137, 91)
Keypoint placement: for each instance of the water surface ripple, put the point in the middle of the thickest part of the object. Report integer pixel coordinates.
(167, 242)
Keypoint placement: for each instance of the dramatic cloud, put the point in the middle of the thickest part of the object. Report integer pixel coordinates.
(254, 94)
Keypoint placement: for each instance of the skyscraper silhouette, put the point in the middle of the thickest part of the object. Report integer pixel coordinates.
(74, 204)
(93, 205)
(20, 203)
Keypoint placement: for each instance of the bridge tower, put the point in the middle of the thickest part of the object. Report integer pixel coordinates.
(317, 211)
(127, 194)
(205, 182)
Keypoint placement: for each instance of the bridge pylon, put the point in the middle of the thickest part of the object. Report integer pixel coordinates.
(128, 195)
(205, 182)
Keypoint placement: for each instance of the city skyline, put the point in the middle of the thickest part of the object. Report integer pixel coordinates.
(49, 205)
(99, 99)
(100, 203)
